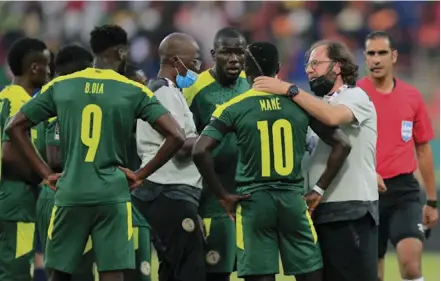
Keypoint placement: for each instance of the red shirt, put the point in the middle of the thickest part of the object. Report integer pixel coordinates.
(402, 122)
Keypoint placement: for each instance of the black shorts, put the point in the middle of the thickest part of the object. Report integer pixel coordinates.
(177, 236)
(349, 249)
(401, 212)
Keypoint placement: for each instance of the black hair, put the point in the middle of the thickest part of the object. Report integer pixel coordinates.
(264, 54)
(72, 58)
(19, 56)
(381, 34)
(107, 36)
(52, 64)
(227, 32)
(340, 53)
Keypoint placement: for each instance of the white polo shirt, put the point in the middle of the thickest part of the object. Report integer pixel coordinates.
(149, 140)
(357, 179)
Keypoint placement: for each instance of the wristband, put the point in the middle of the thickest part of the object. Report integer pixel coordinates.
(319, 190)
(432, 203)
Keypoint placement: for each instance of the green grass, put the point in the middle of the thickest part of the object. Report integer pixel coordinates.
(431, 267)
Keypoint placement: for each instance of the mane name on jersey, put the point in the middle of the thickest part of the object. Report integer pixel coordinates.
(270, 104)
(94, 88)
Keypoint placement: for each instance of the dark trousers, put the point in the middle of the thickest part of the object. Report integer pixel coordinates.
(349, 249)
(177, 236)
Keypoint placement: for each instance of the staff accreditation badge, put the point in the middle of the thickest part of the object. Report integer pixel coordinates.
(406, 130)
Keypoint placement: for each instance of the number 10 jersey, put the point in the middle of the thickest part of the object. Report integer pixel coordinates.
(271, 135)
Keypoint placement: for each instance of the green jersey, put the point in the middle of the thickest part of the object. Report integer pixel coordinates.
(96, 110)
(203, 98)
(271, 137)
(17, 198)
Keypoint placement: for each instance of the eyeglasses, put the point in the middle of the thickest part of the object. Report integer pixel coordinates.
(315, 63)
(255, 61)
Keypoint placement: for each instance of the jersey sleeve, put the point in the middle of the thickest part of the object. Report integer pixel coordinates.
(358, 102)
(53, 133)
(5, 107)
(149, 108)
(221, 123)
(423, 131)
(41, 107)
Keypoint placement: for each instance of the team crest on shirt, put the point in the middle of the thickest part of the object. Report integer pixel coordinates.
(145, 268)
(213, 257)
(406, 130)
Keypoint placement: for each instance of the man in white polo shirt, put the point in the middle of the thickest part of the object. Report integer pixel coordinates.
(169, 198)
(347, 217)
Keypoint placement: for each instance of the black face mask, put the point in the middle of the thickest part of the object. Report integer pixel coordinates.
(321, 86)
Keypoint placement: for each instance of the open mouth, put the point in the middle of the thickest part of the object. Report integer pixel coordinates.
(233, 71)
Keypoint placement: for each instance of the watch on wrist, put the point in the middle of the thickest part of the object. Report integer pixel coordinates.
(432, 203)
(293, 91)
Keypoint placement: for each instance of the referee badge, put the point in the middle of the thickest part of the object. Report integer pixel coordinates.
(188, 225)
(212, 257)
(406, 130)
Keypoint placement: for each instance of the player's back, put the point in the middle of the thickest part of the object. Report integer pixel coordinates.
(96, 109)
(271, 134)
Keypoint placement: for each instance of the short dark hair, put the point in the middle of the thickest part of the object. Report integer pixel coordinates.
(340, 53)
(381, 34)
(107, 36)
(266, 55)
(76, 56)
(226, 32)
(20, 52)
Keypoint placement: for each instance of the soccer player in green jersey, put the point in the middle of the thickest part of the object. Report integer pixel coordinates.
(215, 86)
(28, 60)
(95, 108)
(272, 214)
(69, 59)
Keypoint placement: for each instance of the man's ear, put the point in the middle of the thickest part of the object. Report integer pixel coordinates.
(213, 54)
(278, 68)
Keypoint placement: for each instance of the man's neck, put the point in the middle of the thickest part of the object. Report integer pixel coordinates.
(24, 83)
(337, 85)
(221, 78)
(104, 63)
(168, 72)
(384, 85)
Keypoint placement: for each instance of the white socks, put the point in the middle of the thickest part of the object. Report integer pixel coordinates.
(419, 279)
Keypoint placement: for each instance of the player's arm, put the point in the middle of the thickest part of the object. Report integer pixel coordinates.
(331, 115)
(341, 147)
(36, 110)
(53, 151)
(150, 110)
(209, 139)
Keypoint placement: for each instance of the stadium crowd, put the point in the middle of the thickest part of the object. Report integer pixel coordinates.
(222, 165)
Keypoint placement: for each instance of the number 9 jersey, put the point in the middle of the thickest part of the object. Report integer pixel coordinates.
(271, 137)
(96, 110)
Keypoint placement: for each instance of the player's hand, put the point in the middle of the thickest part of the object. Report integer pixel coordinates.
(51, 180)
(430, 216)
(381, 185)
(134, 181)
(271, 85)
(229, 202)
(312, 200)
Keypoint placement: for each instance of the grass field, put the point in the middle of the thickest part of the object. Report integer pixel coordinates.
(431, 267)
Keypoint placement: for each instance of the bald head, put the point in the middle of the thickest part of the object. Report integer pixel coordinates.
(177, 45)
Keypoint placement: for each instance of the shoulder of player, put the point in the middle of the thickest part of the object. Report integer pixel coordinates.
(406, 88)
(355, 93)
(239, 99)
(157, 83)
(204, 80)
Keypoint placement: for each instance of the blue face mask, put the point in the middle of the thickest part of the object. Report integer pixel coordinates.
(187, 80)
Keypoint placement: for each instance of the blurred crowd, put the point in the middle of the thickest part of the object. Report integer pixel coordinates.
(293, 26)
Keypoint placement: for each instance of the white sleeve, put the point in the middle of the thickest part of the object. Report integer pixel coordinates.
(166, 97)
(358, 102)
